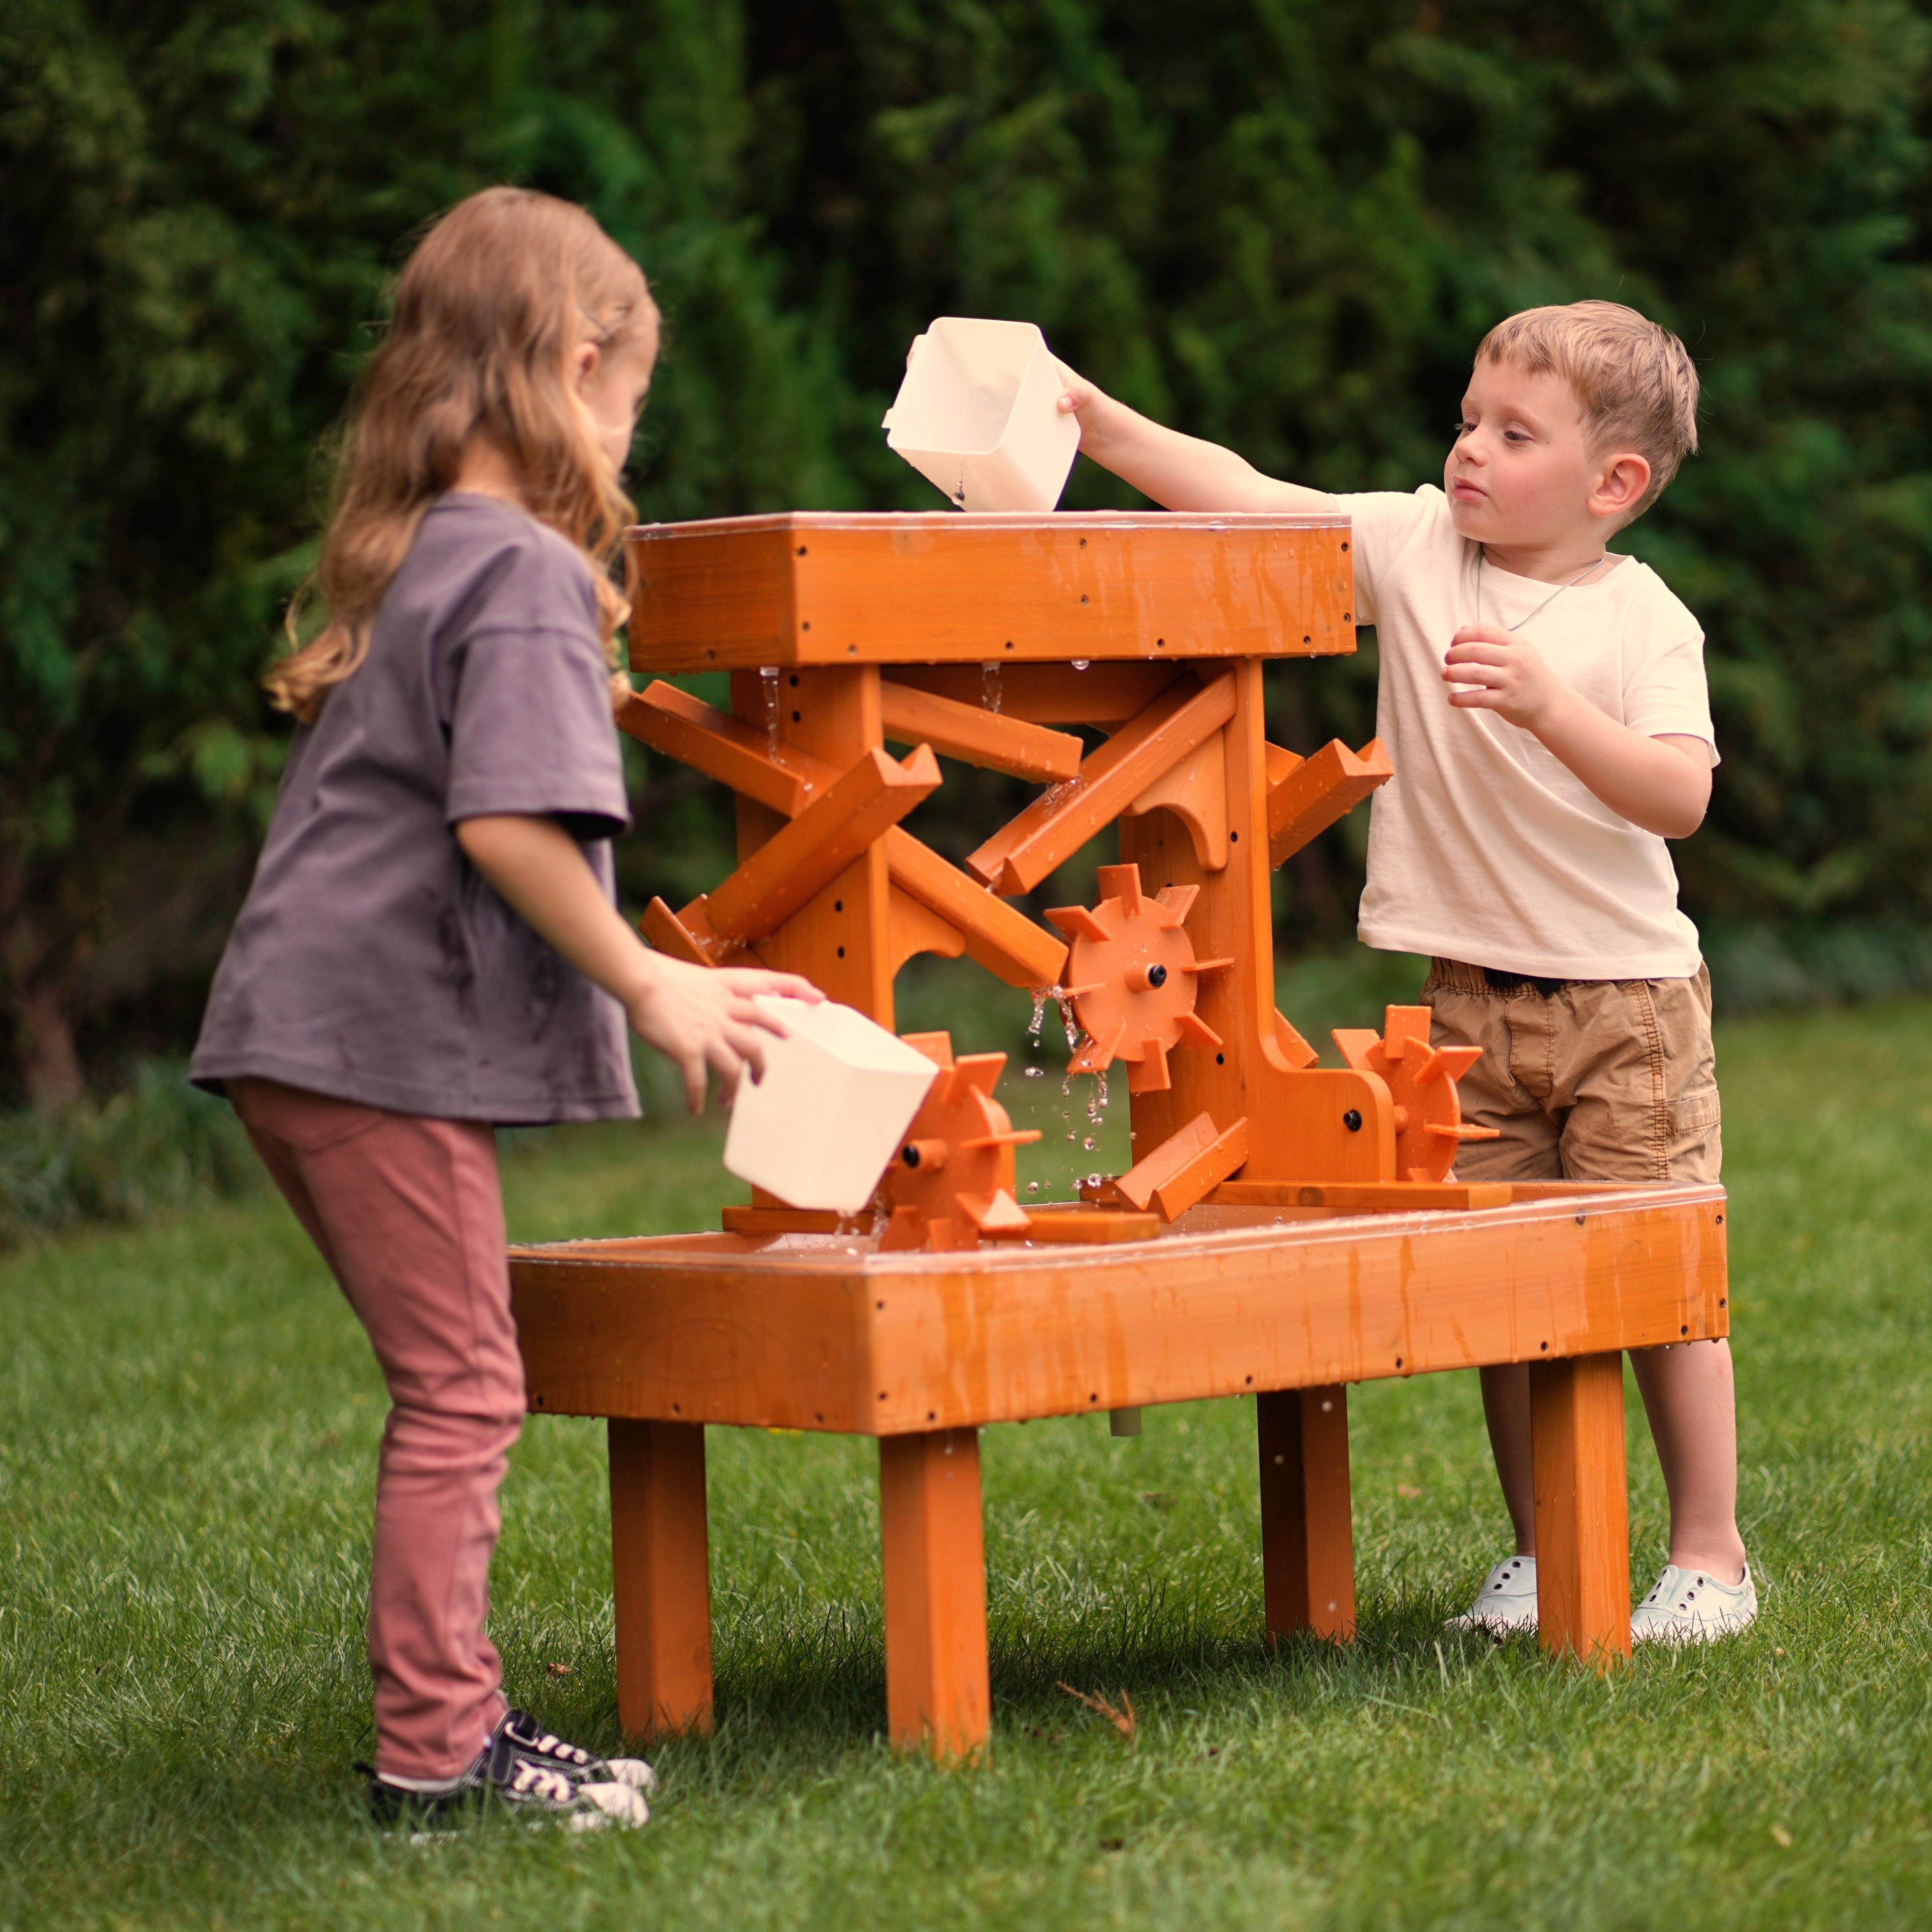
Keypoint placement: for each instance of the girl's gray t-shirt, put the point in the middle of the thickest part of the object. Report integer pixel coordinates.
(371, 962)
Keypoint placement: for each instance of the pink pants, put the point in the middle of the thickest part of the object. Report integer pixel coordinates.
(409, 1215)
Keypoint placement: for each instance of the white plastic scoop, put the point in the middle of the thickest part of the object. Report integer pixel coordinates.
(977, 416)
(838, 1095)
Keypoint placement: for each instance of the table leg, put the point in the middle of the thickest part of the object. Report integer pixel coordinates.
(936, 1690)
(660, 1565)
(1308, 1545)
(1582, 1521)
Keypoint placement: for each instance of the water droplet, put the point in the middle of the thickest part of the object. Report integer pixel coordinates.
(1035, 1073)
(1088, 1143)
(1081, 664)
(768, 676)
(1033, 1187)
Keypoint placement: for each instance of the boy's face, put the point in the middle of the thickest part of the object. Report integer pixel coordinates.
(1520, 473)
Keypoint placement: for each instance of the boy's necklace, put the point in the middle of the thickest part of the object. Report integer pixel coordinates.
(1482, 554)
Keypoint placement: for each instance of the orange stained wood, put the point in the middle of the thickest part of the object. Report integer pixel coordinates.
(681, 727)
(807, 853)
(1000, 938)
(1195, 790)
(1403, 1197)
(1083, 1225)
(1099, 695)
(915, 929)
(941, 588)
(1185, 1166)
(1059, 822)
(660, 1577)
(1582, 1527)
(798, 1332)
(1308, 1546)
(1203, 1168)
(669, 934)
(932, 1539)
(1304, 1123)
(977, 736)
(1311, 794)
(840, 938)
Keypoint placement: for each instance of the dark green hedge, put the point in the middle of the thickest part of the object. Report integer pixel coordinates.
(1280, 224)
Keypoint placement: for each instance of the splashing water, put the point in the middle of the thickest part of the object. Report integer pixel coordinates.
(990, 694)
(768, 676)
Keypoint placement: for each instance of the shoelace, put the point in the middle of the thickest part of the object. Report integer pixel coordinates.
(530, 1778)
(550, 1745)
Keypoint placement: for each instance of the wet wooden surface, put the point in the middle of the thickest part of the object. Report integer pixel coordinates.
(939, 587)
(796, 1332)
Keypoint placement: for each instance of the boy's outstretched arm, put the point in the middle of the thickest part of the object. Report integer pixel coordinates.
(699, 1016)
(1181, 472)
(1662, 784)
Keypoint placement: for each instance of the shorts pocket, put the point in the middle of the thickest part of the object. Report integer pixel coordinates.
(1695, 1153)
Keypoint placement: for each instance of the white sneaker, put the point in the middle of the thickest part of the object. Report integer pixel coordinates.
(1506, 1602)
(1692, 1606)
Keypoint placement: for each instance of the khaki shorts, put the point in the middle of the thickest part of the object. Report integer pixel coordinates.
(1597, 1080)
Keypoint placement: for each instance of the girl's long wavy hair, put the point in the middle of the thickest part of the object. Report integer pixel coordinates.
(486, 312)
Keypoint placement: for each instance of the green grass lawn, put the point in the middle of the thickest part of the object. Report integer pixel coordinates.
(188, 1417)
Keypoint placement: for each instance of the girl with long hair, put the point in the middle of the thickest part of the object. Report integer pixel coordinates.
(430, 946)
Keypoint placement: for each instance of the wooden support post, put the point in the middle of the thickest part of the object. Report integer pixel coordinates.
(660, 1565)
(937, 1689)
(1308, 1544)
(1583, 1520)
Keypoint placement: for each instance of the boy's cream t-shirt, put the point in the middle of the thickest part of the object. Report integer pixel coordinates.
(1484, 846)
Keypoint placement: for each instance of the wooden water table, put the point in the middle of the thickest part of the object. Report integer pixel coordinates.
(1287, 1229)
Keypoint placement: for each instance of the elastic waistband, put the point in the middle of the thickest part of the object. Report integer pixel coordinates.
(1457, 975)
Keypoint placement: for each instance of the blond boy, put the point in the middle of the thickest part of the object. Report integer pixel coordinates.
(1544, 701)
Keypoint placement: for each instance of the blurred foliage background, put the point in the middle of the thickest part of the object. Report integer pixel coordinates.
(1277, 223)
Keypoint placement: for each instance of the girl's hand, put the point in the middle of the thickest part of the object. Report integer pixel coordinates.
(1489, 670)
(706, 1017)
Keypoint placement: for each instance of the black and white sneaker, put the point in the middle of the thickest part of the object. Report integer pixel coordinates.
(531, 1738)
(536, 1788)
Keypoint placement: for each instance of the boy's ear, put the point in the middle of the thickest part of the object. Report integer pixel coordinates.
(1620, 483)
(583, 358)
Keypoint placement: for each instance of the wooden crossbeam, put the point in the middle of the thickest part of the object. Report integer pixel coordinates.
(1389, 1197)
(712, 742)
(1098, 1226)
(978, 737)
(1305, 796)
(1103, 694)
(802, 858)
(1059, 822)
(1000, 937)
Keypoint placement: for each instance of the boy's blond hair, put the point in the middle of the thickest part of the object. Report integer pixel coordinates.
(1634, 382)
